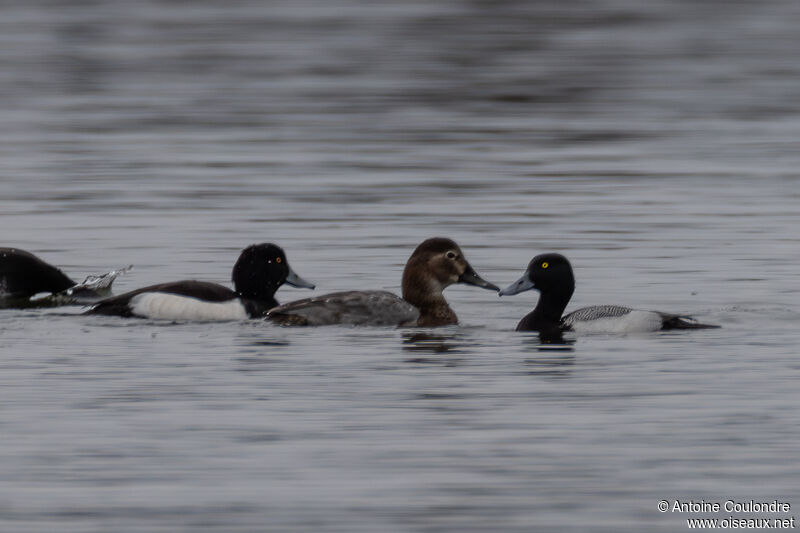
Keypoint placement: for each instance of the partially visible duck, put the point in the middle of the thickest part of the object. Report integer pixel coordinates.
(435, 265)
(260, 270)
(23, 275)
(551, 274)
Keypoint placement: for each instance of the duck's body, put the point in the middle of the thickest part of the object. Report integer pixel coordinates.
(23, 275)
(357, 308)
(551, 275)
(620, 319)
(182, 300)
(259, 272)
(435, 264)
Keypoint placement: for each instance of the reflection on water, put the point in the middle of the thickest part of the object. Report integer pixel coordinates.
(547, 342)
(551, 365)
(555, 355)
(433, 343)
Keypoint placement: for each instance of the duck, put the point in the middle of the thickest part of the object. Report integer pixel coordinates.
(551, 274)
(24, 276)
(434, 265)
(260, 270)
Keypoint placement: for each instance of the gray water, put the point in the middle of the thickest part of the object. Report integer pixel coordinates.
(653, 143)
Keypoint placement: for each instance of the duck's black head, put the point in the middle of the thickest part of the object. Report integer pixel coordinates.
(261, 269)
(547, 273)
(22, 275)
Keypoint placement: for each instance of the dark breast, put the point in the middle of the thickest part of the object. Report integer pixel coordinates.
(440, 315)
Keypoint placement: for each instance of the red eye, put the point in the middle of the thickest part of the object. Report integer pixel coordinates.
(277, 259)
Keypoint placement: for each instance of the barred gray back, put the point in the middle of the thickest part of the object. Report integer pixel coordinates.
(594, 312)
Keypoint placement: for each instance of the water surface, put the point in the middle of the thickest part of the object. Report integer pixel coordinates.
(654, 145)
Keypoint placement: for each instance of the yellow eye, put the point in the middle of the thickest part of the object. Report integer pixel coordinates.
(277, 259)
(545, 264)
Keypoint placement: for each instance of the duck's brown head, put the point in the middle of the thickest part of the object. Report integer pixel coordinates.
(436, 264)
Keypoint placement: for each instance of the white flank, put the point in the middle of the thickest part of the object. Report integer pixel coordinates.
(634, 322)
(161, 305)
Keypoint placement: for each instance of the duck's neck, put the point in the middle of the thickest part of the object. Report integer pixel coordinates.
(546, 316)
(257, 300)
(553, 302)
(258, 308)
(256, 291)
(427, 297)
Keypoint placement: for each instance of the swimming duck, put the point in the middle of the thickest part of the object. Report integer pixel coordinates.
(23, 275)
(435, 265)
(551, 275)
(257, 274)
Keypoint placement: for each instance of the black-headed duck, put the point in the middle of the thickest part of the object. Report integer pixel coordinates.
(260, 270)
(551, 274)
(435, 265)
(23, 276)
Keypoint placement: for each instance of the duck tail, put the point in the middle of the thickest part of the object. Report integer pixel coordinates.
(685, 322)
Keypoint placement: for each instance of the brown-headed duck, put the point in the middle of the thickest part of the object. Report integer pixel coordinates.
(260, 270)
(435, 265)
